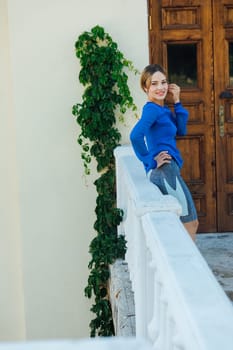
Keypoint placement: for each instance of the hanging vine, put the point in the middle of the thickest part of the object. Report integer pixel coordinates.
(105, 90)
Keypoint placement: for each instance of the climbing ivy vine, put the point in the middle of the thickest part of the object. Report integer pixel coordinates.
(106, 94)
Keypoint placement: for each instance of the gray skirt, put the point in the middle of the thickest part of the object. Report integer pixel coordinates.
(169, 181)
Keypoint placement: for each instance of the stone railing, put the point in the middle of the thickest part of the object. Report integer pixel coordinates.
(178, 302)
(107, 343)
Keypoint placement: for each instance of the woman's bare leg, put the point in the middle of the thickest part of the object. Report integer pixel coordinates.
(192, 227)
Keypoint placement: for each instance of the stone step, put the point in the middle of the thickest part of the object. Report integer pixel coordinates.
(217, 249)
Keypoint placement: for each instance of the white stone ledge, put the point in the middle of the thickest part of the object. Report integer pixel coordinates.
(178, 301)
(107, 343)
(146, 196)
(201, 304)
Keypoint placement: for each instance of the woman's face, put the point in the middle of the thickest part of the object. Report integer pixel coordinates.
(158, 88)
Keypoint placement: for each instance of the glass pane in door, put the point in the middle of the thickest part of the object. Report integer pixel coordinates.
(182, 64)
(231, 64)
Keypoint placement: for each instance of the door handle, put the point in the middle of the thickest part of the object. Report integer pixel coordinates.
(221, 120)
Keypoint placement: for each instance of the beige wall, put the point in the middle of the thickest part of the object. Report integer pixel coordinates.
(12, 325)
(47, 207)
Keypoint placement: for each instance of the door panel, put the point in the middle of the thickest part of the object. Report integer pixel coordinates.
(181, 39)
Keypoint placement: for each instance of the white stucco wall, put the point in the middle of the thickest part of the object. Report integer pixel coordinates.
(12, 321)
(48, 208)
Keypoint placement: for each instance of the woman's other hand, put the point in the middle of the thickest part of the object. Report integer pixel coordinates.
(162, 158)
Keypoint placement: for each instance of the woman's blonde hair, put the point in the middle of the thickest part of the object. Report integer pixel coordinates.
(147, 73)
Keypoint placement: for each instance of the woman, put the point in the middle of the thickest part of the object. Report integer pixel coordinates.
(154, 141)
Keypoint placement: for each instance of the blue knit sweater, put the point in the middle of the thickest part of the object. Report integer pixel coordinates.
(156, 131)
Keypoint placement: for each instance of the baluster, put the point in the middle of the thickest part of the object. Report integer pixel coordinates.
(177, 343)
(153, 325)
(169, 329)
(140, 255)
(149, 287)
(130, 228)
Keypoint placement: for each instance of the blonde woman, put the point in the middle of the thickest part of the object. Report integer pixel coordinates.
(154, 141)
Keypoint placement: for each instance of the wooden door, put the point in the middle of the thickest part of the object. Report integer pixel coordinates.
(223, 97)
(193, 40)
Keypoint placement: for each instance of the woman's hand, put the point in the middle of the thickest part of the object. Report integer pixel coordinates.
(162, 158)
(174, 90)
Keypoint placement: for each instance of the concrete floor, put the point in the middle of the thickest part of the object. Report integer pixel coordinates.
(217, 249)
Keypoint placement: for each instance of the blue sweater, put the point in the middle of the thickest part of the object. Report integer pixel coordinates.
(156, 131)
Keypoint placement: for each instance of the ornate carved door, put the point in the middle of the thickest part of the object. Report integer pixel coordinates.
(193, 40)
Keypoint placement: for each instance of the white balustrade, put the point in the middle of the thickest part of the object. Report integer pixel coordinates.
(179, 304)
(102, 343)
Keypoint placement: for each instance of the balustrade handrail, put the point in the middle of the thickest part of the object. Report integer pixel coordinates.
(100, 343)
(178, 302)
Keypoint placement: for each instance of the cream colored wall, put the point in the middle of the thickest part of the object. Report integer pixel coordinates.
(12, 325)
(47, 205)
